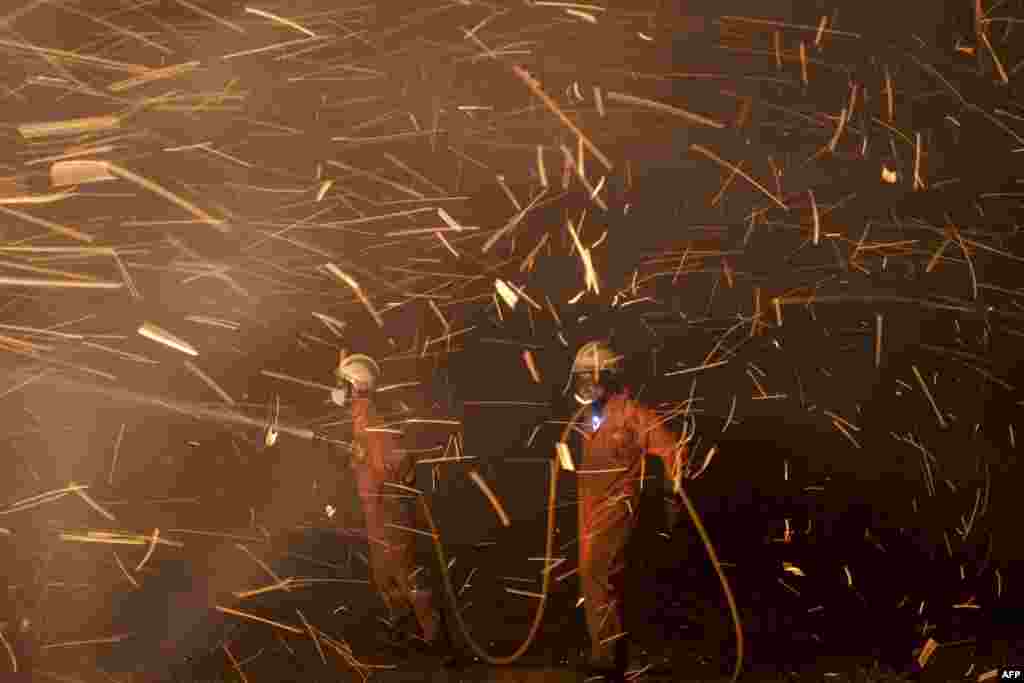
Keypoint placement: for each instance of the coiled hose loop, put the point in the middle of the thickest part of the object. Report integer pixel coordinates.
(548, 548)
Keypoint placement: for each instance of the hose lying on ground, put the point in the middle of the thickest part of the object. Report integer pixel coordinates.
(549, 542)
(230, 417)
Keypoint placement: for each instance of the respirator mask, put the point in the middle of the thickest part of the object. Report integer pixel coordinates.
(339, 396)
(588, 389)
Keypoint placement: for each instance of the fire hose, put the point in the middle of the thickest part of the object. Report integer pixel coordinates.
(549, 542)
(232, 417)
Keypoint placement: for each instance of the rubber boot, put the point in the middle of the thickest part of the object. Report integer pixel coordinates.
(611, 669)
(606, 674)
(398, 636)
(443, 645)
(611, 672)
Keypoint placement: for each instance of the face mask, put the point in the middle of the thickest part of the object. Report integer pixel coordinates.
(340, 395)
(587, 389)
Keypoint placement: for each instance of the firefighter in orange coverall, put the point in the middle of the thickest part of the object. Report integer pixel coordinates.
(381, 472)
(620, 432)
(375, 464)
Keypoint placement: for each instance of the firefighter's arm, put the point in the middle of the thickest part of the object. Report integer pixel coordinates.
(659, 441)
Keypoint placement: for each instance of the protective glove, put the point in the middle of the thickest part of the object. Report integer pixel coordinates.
(673, 511)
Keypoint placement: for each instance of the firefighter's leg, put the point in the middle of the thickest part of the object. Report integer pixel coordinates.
(419, 595)
(411, 588)
(430, 615)
(604, 533)
(387, 566)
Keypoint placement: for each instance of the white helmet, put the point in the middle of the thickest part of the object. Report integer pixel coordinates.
(359, 370)
(596, 357)
(594, 362)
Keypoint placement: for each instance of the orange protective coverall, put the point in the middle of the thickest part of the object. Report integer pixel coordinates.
(609, 487)
(392, 551)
